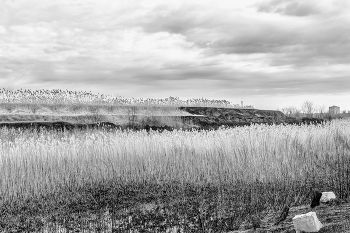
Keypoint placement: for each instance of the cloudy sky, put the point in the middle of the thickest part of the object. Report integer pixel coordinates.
(268, 53)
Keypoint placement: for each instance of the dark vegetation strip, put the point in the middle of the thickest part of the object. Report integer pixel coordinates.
(192, 207)
(203, 124)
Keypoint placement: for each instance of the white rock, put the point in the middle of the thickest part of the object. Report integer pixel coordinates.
(307, 222)
(327, 196)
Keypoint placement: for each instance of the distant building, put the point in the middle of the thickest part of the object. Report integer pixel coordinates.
(333, 110)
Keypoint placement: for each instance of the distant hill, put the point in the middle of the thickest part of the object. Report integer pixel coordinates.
(140, 117)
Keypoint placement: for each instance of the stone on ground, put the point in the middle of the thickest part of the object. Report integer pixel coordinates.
(327, 196)
(307, 222)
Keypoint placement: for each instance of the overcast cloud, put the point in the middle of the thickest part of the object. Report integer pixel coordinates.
(270, 54)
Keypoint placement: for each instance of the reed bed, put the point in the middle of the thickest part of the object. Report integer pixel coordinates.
(78, 98)
(41, 163)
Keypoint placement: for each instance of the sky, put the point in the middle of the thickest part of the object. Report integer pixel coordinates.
(268, 53)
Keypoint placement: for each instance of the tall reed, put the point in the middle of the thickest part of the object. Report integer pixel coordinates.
(40, 163)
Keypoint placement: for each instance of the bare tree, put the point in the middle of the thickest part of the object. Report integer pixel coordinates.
(308, 108)
(132, 115)
(291, 112)
(321, 111)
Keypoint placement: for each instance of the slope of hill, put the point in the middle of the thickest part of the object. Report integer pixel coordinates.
(138, 117)
(216, 117)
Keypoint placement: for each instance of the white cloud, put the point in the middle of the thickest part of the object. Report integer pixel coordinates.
(199, 48)
(2, 29)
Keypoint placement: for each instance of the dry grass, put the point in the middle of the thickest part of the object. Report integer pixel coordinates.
(87, 109)
(66, 97)
(38, 163)
(88, 113)
(239, 171)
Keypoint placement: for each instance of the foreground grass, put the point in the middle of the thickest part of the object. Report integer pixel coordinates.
(197, 180)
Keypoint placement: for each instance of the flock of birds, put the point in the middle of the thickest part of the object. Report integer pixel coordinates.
(58, 96)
